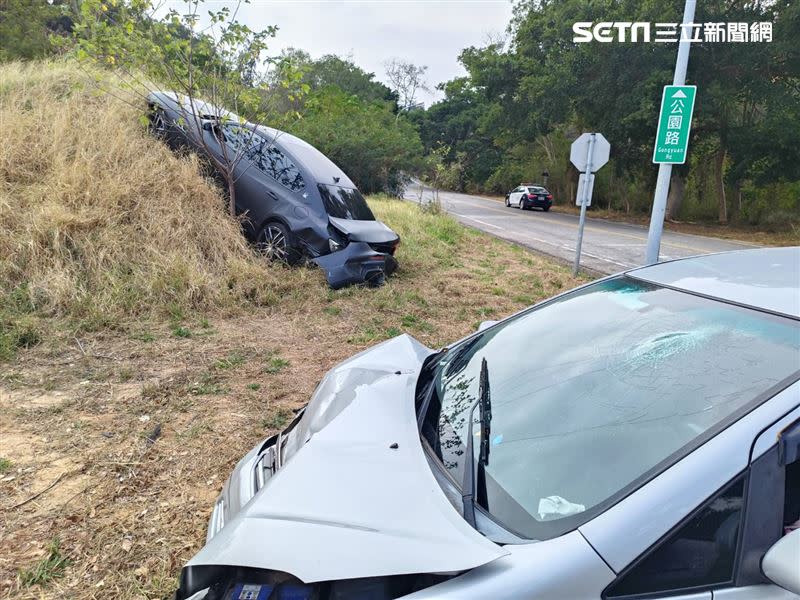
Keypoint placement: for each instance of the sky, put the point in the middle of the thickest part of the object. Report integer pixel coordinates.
(425, 32)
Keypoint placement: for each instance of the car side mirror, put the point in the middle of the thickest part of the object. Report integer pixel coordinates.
(780, 563)
(485, 325)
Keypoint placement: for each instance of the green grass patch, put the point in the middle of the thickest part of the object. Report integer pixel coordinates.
(233, 360)
(207, 386)
(180, 331)
(5, 465)
(411, 321)
(48, 568)
(276, 419)
(17, 332)
(143, 336)
(275, 364)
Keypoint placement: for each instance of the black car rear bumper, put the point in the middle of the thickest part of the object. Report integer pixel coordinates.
(356, 263)
(537, 203)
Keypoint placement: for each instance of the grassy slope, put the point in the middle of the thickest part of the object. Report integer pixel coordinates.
(144, 349)
(100, 222)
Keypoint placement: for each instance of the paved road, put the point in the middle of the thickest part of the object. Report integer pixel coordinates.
(608, 246)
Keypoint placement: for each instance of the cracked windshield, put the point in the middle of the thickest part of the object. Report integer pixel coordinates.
(627, 373)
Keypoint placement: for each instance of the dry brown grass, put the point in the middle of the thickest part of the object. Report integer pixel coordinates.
(217, 369)
(100, 221)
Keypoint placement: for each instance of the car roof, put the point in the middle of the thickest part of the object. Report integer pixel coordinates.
(764, 278)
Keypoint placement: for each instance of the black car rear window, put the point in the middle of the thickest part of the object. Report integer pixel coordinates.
(345, 203)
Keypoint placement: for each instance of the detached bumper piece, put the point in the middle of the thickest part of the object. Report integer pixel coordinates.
(354, 264)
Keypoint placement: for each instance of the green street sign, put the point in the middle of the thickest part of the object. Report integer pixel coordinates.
(674, 123)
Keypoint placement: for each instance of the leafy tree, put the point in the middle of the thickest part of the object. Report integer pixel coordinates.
(348, 77)
(518, 95)
(26, 27)
(216, 59)
(364, 139)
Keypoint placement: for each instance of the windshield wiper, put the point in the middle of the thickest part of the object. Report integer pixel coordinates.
(468, 487)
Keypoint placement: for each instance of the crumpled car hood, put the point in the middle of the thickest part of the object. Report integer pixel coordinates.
(373, 232)
(356, 496)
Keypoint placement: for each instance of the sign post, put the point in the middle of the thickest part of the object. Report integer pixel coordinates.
(588, 153)
(664, 158)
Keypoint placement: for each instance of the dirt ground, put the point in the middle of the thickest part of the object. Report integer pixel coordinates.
(114, 444)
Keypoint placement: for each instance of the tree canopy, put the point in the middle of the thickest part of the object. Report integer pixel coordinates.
(512, 117)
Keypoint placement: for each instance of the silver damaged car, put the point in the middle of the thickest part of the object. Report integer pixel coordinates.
(638, 437)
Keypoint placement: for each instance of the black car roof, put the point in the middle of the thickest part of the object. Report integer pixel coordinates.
(320, 167)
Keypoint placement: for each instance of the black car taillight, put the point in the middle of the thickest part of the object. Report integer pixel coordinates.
(338, 240)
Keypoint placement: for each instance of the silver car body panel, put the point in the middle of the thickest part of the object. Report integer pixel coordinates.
(632, 525)
(767, 278)
(564, 567)
(755, 592)
(770, 436)
(366, 509)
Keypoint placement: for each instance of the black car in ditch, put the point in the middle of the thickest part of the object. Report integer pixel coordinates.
(297, 205)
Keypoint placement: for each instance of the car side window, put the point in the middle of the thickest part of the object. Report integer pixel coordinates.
(274, 163)
(235, 135)
(701, 553)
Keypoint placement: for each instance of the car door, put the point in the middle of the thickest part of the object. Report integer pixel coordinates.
(515, 195)
(772, 509)
(715, 553)
(264, 177)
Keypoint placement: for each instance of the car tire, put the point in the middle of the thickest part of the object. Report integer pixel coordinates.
(276, 243)
(521, 206)
(508, 202)
(545, 208)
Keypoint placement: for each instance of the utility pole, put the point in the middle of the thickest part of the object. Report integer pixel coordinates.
(665, 170)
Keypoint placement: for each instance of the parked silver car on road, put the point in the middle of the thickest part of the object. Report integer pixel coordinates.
(638, 437)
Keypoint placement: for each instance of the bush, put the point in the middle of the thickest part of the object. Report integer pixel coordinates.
(775, 207)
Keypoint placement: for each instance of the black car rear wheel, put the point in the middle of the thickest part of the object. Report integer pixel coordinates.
(275, 242)
(545, 208)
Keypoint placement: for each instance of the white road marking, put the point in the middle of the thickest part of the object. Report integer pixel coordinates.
(477, 221)
(549, 243)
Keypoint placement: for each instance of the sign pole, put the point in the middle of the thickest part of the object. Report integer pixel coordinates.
(665, 170)
(584, 201)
